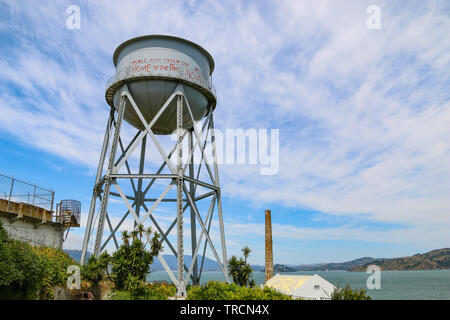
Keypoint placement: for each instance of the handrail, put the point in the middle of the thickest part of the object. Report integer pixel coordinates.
(35, 195)
(28, 183)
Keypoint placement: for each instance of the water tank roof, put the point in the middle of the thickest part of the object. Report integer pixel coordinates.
(154, 36)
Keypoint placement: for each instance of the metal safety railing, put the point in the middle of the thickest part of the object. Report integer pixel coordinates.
(68, 212)
(15, 190)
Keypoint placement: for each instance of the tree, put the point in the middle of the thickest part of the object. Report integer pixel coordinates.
(140, 231)
(148, 233)
(29, 272)
(126, 238)
(130, 264)
(246, 251)
(240, 271)
(134, 234)
(3, 234)
(94, 271)
(20, 269)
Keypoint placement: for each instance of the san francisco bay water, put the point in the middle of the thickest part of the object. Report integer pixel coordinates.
(395, 285)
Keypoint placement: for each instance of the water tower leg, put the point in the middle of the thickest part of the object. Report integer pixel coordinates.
(108, 180)
(219, 200)
(193, 221)
(181, 289)
(87, 233)
(138, 194)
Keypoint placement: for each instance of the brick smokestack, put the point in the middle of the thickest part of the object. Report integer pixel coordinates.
(269, 252)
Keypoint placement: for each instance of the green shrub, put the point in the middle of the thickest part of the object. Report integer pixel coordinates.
(147, 292)
(3, 234)
(94, 271)
(20, 270)
(215, 290)
(28, 272)
(122, 295)
(54, 263)
(348, 293)
(130, 264)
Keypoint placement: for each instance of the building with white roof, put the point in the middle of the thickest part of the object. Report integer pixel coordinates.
(302, 286)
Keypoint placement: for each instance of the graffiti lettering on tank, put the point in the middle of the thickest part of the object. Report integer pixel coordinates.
(167, 67)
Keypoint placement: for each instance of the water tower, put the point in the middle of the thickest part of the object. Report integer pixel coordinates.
(162, 86)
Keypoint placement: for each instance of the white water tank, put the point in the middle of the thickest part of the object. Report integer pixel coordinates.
(152, 66)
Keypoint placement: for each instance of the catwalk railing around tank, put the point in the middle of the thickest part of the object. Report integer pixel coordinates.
(18, 191)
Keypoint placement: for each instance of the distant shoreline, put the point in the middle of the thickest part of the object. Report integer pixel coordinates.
(438, 259)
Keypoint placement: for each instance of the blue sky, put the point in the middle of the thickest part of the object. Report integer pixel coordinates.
(363, 114)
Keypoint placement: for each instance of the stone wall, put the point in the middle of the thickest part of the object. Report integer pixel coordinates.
(32, 230)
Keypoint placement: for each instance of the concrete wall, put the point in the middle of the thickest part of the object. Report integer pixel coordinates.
(32, 230)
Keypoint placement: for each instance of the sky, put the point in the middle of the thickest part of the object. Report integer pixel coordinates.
(363, 114)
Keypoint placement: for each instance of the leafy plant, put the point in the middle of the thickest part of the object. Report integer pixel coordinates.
(347, 293)
(3, 234)
(215, 290)
(20, 270)
(130, 264)
(28, 272)
(147, 291)
(94, 271)
(240, 271)
(54, 263)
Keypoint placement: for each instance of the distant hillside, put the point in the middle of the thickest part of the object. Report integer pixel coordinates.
(208, 265)
(335, 266)
(282, 268)
(257, 268)
(276, 268)
(76, 254)
(433, 260)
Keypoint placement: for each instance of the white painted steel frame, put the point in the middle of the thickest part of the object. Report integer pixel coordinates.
(102, 188)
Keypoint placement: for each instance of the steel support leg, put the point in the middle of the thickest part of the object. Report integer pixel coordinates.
(193, 221)
(138, 195)
(181, 290)
(87, 233)
(219, 200)
(107, 184)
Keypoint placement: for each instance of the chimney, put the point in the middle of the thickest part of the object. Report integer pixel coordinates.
(269, 253)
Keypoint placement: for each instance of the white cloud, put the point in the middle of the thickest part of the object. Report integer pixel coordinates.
(363, 114)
